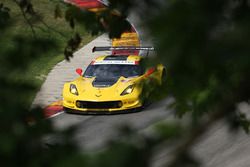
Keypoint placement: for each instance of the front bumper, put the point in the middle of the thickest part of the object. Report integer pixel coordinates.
(101, 112)
(101, 107)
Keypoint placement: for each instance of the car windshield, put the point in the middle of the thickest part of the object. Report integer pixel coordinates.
(113, 71)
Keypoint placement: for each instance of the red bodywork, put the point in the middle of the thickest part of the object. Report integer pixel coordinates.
(86, 4)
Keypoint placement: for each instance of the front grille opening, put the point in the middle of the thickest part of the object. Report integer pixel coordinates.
(98, 105)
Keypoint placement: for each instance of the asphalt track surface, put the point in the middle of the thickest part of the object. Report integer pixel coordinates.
(217, 148)
(94, 131)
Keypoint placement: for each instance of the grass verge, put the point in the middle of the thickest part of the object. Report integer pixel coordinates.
(45, 26)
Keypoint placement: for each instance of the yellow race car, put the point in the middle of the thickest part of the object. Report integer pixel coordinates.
(111, 84)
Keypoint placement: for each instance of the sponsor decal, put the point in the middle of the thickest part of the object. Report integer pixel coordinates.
(115, 62)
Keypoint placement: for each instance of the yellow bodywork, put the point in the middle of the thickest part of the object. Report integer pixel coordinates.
(87, 92)
(127, 39)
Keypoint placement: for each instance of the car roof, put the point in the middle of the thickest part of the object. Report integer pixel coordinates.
(118, 58)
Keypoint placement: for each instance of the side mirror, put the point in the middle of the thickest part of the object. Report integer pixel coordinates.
(79, 71)
(149, 71)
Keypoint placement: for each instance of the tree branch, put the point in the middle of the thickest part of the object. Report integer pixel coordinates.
(26, 19)
(51, 28)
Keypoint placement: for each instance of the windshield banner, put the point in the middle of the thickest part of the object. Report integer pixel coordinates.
(114, 62)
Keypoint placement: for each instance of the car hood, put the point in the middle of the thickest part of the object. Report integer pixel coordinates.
(101, 82)
(102, 89)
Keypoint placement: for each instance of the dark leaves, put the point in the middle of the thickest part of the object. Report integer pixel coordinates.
(72, 45)
(239, 120)
(89, 20)
(121, 7)
(26, 6)
(243, 122)
(70, 16)
(58, 12)
(72, 23)
(185, 159)
(4, 15)
(168, 131)
(114, 24)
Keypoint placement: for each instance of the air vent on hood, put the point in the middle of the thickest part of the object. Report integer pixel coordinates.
(104, 82)
(116, 57)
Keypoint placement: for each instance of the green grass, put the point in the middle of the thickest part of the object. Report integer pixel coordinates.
(46, 27)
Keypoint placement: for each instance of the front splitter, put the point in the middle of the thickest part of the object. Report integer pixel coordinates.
(101, 112)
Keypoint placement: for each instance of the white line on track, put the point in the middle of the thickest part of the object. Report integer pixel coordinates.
(54, 115)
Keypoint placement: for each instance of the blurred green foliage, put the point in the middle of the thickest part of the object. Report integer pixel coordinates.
(204, 45)
(47, 20)
(31, 42)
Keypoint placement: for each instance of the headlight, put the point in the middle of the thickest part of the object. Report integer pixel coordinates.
(73, 89)
(128, 90)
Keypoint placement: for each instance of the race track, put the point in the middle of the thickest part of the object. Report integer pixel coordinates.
(94, 131)
(217, 148)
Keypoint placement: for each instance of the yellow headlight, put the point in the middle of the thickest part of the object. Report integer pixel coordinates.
(73, 89)
(128, 90)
